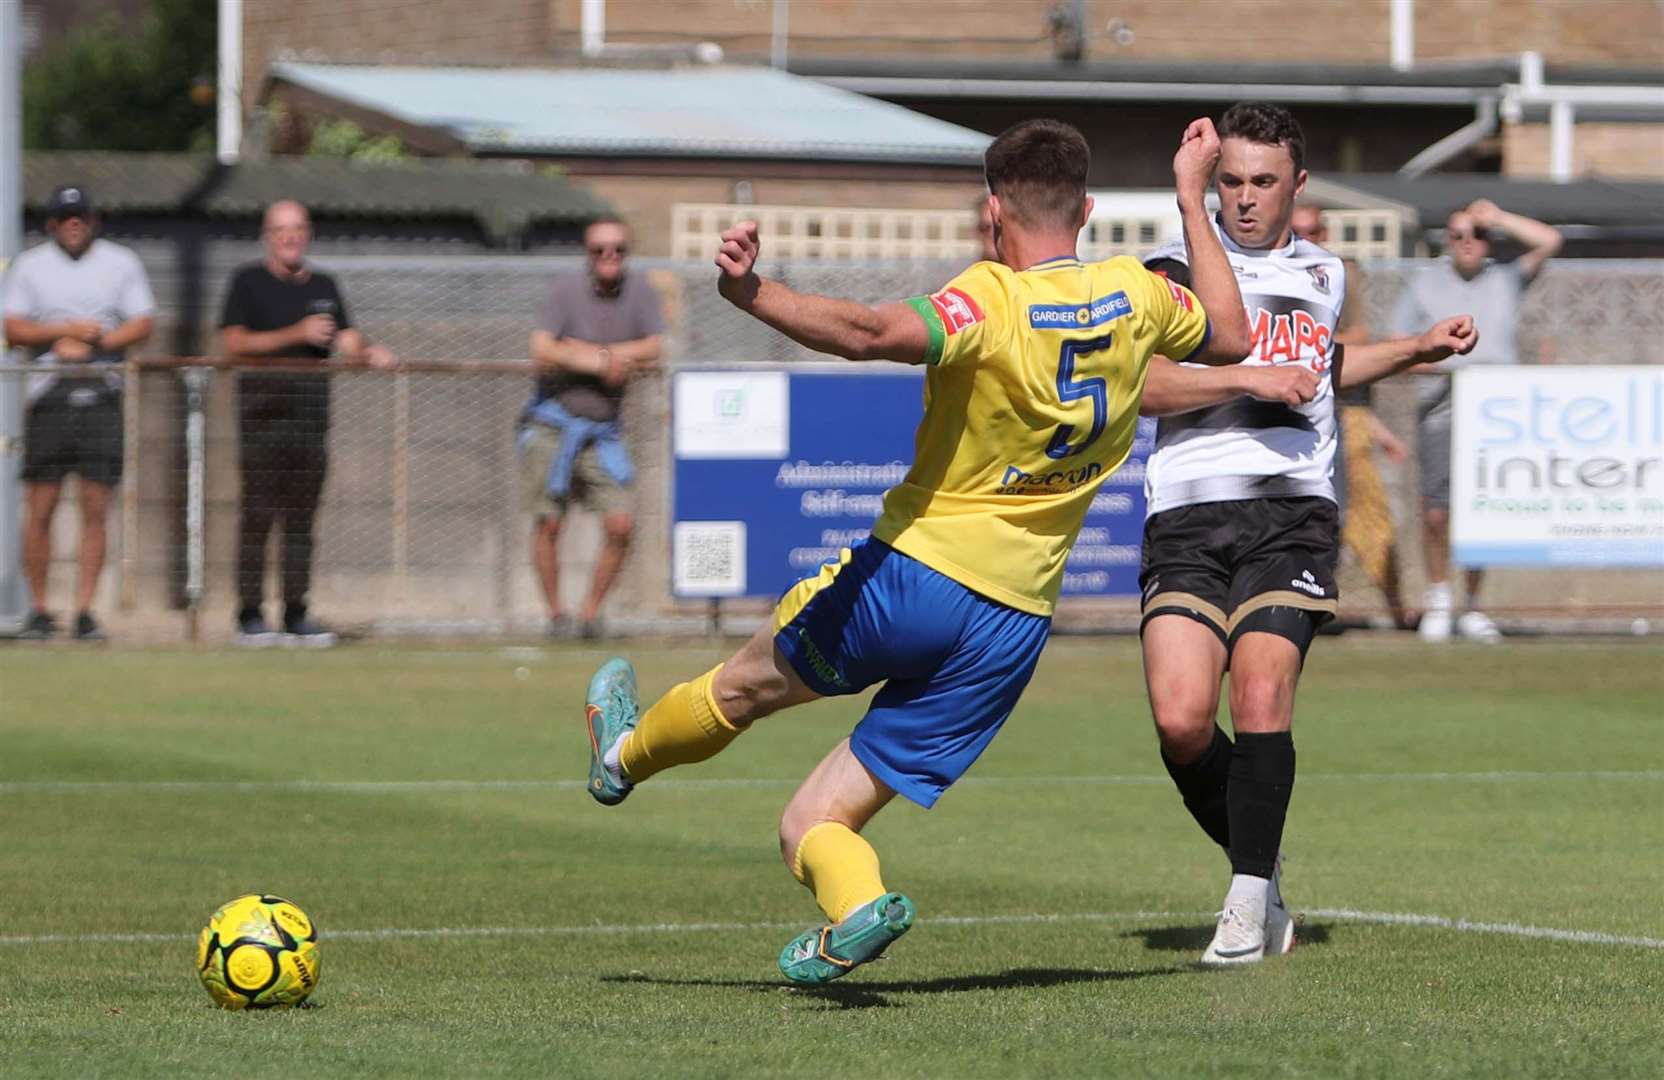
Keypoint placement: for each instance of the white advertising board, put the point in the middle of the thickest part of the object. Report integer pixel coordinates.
(1558, 466)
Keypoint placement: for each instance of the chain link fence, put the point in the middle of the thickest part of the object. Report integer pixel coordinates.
(421, 519)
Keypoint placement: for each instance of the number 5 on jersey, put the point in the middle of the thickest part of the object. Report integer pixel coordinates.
(1070, 390)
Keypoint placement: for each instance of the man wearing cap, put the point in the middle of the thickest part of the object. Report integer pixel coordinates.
(76, 304)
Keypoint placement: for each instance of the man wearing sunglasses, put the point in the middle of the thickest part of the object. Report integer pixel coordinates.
(1467, 281)
(599, 329)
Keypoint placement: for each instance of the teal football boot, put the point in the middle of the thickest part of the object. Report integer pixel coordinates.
(610, 711)
(831, 952)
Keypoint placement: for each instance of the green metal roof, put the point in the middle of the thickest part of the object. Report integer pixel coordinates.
(705, 112)
(502, 198)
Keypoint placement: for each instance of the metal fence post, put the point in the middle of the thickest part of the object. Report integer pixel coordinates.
(131, 418)
(13, 606)
(196, 496)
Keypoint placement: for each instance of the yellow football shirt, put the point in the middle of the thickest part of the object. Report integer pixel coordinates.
(1031, 401)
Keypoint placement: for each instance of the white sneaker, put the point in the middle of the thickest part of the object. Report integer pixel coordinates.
(1279, 924)
(1477, 626)
(1435, 625)
(1239, 938)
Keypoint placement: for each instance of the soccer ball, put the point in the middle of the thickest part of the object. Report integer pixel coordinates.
(258, 952)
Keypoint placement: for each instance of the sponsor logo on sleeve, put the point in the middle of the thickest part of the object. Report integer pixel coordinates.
(957, 309)
(1181, 295)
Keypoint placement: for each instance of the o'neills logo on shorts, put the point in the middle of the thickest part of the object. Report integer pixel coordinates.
(958, 310)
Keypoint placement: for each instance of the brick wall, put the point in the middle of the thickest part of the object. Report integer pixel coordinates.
(377, 31)
(1583, 31)
(1627, 151)
(1619, 32)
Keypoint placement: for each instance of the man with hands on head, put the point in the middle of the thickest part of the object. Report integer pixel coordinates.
(1469, 280)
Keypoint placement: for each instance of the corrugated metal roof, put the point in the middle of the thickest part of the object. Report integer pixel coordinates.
(695, 112)
(503, 199)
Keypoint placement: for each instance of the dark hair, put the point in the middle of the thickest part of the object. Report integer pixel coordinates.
(1038, 170)
(1267, 124)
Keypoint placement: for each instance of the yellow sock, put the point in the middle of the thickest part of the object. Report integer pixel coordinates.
(682, 727)
(839, 866)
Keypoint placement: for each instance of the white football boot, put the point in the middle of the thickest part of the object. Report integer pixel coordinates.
(1249, 930)
(1239, 937)
(1279, 924)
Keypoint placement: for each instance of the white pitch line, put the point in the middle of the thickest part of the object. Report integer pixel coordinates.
(1542, 933)
(393, 932)
(1378, 918)
(384, 787)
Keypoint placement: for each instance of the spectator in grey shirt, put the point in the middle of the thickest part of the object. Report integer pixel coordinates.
(599, 329)
(1471, 282)
(76, 304)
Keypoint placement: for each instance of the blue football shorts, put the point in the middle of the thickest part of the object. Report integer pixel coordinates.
(953, 662)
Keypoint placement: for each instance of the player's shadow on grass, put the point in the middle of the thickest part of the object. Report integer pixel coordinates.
(872, 995)
(1193, 939)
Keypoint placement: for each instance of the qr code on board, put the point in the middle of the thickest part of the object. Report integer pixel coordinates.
(708, 558)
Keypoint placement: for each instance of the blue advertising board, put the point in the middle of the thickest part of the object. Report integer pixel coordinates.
(778, 469)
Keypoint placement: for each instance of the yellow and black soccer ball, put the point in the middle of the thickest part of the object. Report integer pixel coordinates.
(258, 952)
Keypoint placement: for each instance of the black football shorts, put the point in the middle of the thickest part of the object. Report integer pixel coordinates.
(1221, 562)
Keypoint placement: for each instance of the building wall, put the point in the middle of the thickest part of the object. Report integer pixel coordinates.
(1580, 31)
(1620, 151)
(1618, 32)
(382, 31)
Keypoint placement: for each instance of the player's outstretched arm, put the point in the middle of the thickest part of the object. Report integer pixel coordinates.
(1364, 364)
(843, 328)
(1211, 277)
(1171, 388)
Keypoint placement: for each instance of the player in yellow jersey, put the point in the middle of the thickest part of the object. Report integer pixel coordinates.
(1036, 364)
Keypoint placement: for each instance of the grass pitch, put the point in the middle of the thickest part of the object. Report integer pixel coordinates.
(481, 917)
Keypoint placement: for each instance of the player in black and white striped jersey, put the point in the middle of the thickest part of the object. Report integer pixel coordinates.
(1243, 531)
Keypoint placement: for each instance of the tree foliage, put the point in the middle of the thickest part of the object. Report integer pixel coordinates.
(112, 85)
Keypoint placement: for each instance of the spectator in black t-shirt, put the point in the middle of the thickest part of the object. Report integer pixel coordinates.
(281, 310)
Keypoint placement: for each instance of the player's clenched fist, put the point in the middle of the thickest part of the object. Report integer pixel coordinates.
(737, 259)
(1196, 159)
(1455, 336)
(1291, 384)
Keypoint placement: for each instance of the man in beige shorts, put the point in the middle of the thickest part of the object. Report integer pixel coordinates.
(599, 328)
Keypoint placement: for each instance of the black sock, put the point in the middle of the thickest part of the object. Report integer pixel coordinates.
(1204, 783)
(1262, 780)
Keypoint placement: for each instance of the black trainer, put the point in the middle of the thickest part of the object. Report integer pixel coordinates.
(39, 627)
(87, 628)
